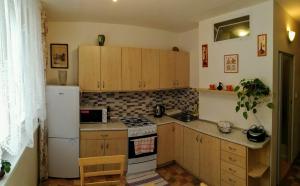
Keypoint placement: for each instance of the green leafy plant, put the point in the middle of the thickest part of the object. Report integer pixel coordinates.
(251, 93)
(5, 166)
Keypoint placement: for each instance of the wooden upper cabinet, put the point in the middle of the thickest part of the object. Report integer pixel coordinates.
(191, 151)
(182, 69)
(89, 68)
(150, 69)
(167, 69)
(111, 64)
(131, 68)
(210, 160)
(165, 151)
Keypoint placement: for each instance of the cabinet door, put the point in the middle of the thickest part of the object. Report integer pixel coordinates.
(116, 146)
(165, 144)
(182, 69)
(167, 69)
(111, 69)
(131, 68)
(178, 144)
(191, 151)
(150, 69)
(91, 148)
(210, 160)
(89, 68)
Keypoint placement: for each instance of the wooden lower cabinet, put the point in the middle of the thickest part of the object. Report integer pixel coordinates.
(191, 151)
(209, 160)
(178, 143)
(165, 151)
(103, 143)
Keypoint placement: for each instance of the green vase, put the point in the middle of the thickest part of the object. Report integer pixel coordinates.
(101, 40)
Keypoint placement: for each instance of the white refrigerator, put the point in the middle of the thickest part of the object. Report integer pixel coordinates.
(63, 131)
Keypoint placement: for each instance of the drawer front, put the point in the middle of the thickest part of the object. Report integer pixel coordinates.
(103, 134)
(90, 135)
(113, 134)
(234, 170)
(233, 159)
(233, 148)
(230, 180)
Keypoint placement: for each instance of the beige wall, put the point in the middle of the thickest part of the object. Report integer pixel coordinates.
(216, 107)
(26, 171)
(81, 33)
(281, 21)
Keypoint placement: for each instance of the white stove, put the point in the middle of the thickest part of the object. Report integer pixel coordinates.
(140, 128)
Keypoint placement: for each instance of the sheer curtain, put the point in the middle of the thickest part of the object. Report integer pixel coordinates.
(22, 85)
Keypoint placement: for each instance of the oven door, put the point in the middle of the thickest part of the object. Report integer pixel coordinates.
(131, 151)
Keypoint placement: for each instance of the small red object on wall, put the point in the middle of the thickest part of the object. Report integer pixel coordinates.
(204, 55)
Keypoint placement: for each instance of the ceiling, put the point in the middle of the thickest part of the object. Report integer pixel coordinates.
(171, 15)
(292, 7)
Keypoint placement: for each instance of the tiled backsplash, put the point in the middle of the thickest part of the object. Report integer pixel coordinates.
(141, 103)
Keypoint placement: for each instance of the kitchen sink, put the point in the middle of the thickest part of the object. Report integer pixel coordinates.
(185, 117)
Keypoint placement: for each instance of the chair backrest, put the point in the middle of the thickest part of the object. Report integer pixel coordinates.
(101, 160)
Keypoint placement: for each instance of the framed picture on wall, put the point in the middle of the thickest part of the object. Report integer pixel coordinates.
(204, 55)
(231, 63)
(262, 45)
(59, 55)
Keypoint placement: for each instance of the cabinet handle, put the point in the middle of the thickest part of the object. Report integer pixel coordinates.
(197, 138)
(98, 84)
(231, 148)
(201, 139)
(103, 84)
(107, 146)
(101, 146)
(231, 159)
(231, 170)
(144, 84)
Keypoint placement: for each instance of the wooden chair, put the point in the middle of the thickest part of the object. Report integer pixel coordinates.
(101, 160)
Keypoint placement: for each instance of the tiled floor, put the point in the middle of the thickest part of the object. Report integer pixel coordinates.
(173, 174)
(293, 176)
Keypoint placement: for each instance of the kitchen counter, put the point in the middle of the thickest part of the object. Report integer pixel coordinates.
(210, 128)
(112, 125)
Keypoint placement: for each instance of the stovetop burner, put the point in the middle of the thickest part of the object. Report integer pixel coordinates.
(136, 121)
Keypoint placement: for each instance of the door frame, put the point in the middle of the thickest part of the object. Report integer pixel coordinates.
(279, 99)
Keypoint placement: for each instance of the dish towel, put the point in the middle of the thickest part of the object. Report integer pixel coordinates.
(144, 145)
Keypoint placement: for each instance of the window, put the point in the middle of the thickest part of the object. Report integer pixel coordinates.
(22, 89)
(234, 28)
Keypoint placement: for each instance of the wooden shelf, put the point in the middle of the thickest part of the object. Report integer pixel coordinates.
(258, 171)
(216, 91)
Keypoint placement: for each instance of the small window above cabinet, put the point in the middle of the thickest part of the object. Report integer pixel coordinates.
(231, 29)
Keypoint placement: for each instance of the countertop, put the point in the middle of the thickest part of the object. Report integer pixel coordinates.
(210, 128)
(112, 125)
(206, 127)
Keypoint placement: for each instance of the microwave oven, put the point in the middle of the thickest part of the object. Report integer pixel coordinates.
(93, 115)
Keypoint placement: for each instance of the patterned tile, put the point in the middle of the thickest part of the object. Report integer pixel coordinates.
(141, 103)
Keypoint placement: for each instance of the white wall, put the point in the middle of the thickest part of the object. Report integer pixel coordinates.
(188, 41)
(79, 33)
(217, 107)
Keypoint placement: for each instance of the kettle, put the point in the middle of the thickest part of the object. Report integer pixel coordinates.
(159, 111)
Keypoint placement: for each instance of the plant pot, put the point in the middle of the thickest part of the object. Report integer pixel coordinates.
(2, 173)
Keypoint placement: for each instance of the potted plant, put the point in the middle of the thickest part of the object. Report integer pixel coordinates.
(5, 168)
(251, 93)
